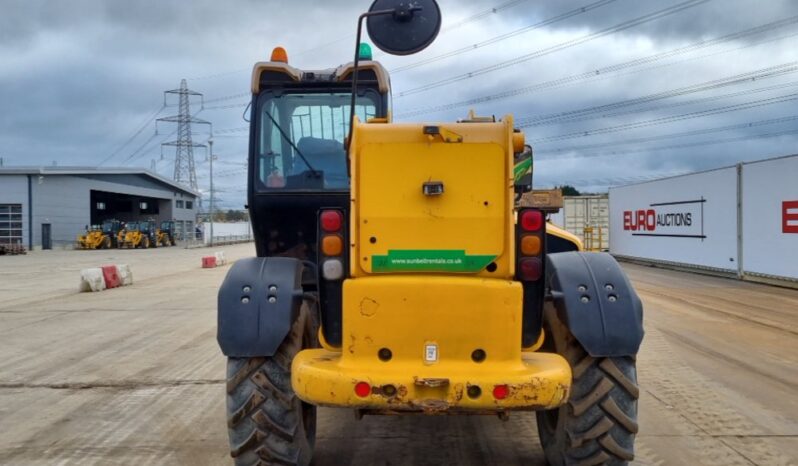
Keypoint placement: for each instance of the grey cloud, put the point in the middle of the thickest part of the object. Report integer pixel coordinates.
(82, 76)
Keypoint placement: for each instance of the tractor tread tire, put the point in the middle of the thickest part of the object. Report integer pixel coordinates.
(264, 416)
(598, 424)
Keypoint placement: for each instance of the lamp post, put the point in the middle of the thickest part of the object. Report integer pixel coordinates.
(210, 149)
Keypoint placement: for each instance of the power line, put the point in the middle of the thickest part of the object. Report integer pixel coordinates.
(556, 48)
(670, 119)
(603, 72)
(135, 153)
(227, 97)
(134, 136)
(236, 105)
(231, 130)
(753, 124)
(482, 14)
(686, 102)
(614, 180)
(140, 151)
(499, 38)
(590, 112)
(685, 145)
(349, 37)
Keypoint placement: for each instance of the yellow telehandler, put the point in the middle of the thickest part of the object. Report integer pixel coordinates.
(396, 273)
(139, 235)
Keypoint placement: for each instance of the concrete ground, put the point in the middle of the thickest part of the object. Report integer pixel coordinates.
(134, 376)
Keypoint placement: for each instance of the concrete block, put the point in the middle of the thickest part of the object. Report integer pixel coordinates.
(220, 258)
(208, 262)
(125, 274)
(92, 279)
(111, 276)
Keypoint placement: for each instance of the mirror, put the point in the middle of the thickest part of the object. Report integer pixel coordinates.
(522, 171)
(412, 26)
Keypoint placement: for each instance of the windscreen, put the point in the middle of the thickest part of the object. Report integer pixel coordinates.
(301, 139)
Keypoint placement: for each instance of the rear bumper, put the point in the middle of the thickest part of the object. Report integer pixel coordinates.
(431, 326)
(536, 381)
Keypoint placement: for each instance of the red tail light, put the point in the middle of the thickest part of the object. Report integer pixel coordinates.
(531, 220)
(500, 392)
(531, 268)
(362, 389)
(331, 220)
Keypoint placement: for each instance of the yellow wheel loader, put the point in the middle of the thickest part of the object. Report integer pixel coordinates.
(92, 239)
(100, 236)
(395, 273)
(139, 235)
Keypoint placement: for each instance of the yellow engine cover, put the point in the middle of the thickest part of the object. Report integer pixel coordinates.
(463, 223)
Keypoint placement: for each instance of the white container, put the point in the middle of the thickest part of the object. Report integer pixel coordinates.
(688, 219)
(770, 217)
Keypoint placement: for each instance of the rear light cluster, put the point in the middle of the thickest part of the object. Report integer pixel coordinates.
(531, 235)
(364, 389)
(331, 224)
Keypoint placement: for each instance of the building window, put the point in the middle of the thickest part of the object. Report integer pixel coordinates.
(147, 207)
(189, 205)
(10, 223)
(179, 204)
(101, 206)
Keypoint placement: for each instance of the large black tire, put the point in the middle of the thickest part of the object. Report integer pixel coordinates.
(266, 422)
(599, 422)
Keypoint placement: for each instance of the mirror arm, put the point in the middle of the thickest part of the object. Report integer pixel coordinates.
(354, 73)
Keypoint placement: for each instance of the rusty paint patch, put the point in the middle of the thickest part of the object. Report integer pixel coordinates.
(368, 307)
(351, 346)
(430, 406)
(458, 393)
(431, 382)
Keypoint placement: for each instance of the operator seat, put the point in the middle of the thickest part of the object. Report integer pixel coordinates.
(326, 155)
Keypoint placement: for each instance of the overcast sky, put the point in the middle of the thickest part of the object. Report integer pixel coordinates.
(81, 82)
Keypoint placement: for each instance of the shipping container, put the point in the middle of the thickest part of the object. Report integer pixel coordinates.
(588, 217)
(770, 218)
(740, 220)
(688, 219)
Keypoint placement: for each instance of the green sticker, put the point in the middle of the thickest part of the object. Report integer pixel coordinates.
(429, 260)
(522, 168)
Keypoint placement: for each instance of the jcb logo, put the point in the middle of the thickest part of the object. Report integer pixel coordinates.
(644, 220)
(789, 217)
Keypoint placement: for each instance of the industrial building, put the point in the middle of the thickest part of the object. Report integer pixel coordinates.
(46, 207)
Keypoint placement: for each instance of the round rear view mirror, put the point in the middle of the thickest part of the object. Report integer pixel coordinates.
(411, 27)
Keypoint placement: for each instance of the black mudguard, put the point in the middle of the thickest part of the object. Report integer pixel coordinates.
(257, 305)
(595, 300)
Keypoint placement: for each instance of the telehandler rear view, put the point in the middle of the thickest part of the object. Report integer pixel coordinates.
(396, 275)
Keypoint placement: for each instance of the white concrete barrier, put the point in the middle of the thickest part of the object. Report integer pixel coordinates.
(125, 275)
(220, 258)
(92, 279)
(95, 278)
